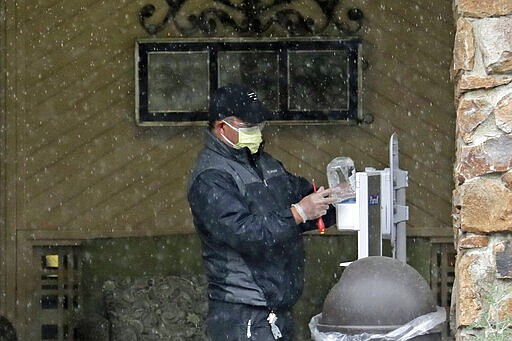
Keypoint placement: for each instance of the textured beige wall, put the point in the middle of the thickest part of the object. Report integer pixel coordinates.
(483, 170)
(83, 165)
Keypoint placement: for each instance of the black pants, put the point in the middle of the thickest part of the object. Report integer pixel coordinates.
(236, 322)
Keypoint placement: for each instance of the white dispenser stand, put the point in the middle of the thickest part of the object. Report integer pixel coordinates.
(379, 211)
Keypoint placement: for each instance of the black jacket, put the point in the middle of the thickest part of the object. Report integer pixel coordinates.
(252, 248)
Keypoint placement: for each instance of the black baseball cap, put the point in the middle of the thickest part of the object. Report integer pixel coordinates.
(240, 101)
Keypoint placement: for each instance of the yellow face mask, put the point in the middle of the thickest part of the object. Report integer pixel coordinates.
(247, 137)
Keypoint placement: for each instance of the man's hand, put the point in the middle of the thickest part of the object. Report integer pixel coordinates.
(316, 204)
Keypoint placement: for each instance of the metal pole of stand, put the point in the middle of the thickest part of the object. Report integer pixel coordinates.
(400, 210)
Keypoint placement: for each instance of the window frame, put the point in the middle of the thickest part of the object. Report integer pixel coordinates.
(351, 47)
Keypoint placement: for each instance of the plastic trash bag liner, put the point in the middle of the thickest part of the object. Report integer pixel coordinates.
(416, 327)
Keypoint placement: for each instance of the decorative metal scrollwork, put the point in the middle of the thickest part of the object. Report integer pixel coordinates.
(253, 17)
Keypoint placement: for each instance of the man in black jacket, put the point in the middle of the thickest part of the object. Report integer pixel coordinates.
(250, 214)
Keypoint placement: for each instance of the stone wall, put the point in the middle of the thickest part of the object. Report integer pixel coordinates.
(482, 200)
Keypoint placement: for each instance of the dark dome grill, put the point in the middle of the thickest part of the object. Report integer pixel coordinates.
(376, 295)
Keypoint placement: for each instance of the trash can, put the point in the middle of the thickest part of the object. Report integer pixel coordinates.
(378, 296)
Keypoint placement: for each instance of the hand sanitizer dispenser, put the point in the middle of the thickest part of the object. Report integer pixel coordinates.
(378, 210)
(341, 172)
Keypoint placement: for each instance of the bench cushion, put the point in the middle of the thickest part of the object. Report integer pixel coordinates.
(156, 307)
